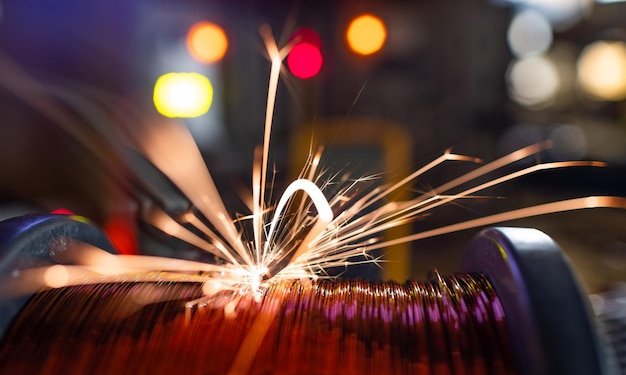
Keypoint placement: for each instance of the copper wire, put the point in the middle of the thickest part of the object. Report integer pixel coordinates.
(449, 325)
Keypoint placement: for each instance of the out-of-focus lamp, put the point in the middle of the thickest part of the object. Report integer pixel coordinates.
(602, 70)
(529, 33)
(183, 95)
(533, 81)
(366, 34)
(305, 58)
(207, 42)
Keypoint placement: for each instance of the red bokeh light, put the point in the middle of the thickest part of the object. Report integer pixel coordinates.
(306, 35)
(305, 60)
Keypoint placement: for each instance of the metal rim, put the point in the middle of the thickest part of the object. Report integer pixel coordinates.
(548, 314)
(29, 241)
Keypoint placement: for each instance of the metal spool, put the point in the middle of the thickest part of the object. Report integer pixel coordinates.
(549, 328)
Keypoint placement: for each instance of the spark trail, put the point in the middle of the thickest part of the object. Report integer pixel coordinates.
(305, 233)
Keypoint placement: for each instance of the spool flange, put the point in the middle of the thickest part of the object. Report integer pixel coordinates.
(33, 241)
(548, 314)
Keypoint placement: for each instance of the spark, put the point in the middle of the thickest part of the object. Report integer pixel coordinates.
(542, 209)
(325, 214)
(160, 219)
(259, 181)
(307, 232)
(171, 148)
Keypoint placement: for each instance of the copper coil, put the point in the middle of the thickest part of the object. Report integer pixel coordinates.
(450, 325)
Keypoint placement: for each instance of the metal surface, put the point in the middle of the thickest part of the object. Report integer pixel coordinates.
(548, 313)
(32, 241)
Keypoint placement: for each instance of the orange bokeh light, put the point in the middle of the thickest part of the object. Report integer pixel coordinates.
(366, 34)
(207, 42)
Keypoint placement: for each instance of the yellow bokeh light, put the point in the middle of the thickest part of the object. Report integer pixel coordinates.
(602, 70)
(207, 42)
(183, 95)
(366, 34)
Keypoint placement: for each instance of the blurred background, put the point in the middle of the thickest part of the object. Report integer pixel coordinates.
(384, 86)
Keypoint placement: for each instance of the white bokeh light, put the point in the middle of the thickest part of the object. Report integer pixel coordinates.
(562, 14)
(533, 81)
(529, 33)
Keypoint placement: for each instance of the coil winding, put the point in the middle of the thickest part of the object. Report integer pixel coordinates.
(451, 325)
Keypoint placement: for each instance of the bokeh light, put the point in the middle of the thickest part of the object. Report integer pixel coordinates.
(207, 42)
(306, 35)
(529, 33)
(533, 82)
(305, 58)
(602, 70)
(562, 14)
(183, 94)
(366, 34)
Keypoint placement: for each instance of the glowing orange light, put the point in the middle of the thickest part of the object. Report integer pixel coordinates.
(207, 42)
(366, 34)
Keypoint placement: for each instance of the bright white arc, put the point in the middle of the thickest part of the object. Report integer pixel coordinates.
(325, 213)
